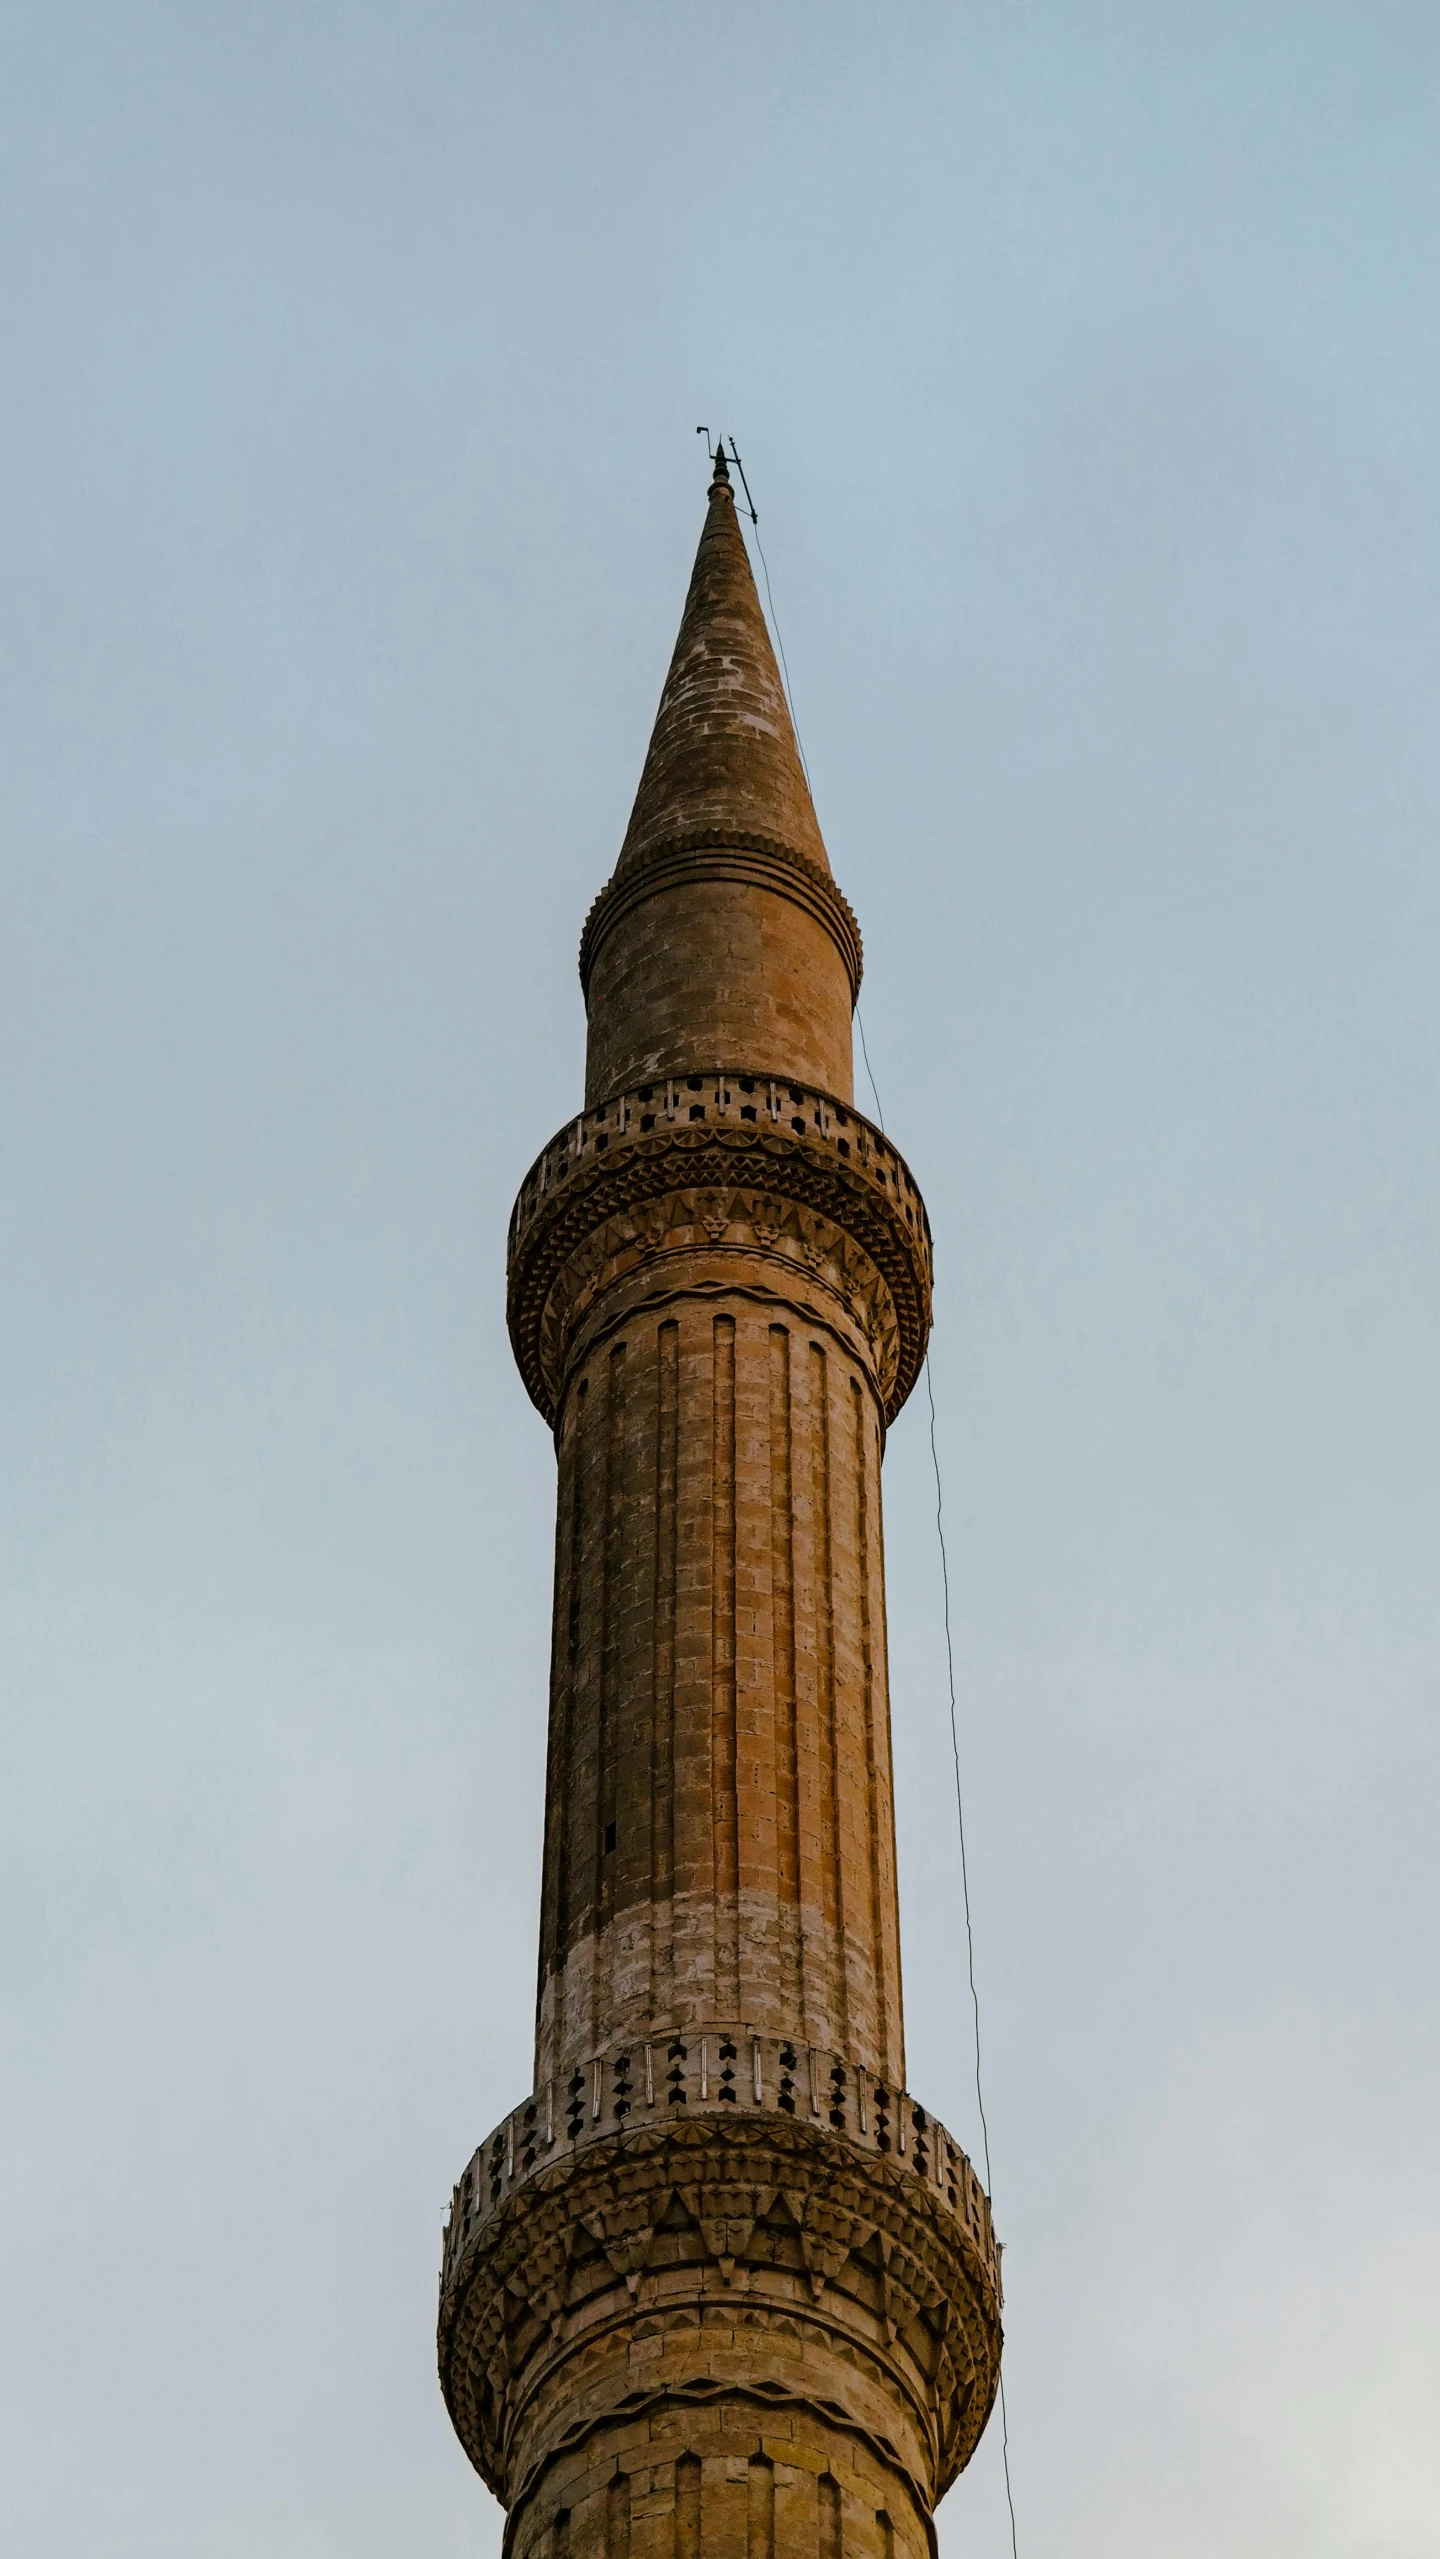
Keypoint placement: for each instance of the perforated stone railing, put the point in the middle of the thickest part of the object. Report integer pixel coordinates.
(722, 2071)
(726, 1127)
(724, 1098)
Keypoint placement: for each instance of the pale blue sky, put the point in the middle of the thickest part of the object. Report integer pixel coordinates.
(1086, 365)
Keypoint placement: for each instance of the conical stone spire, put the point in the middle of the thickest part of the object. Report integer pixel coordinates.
(722, 762)
(721, 936)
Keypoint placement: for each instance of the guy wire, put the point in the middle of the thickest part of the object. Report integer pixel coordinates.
(869, 1070)
(784, 669)
(955, 1754)
(959, 1805)
(774, 617)
(944, 1557)
(965, 1891)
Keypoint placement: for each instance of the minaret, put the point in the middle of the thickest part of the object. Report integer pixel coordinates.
(720, 2288)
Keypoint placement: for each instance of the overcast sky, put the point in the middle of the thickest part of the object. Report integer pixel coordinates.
(1086, 363)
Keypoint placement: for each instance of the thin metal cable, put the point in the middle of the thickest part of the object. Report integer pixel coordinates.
(959, 1804)
(869, 1070)
(780, 645)
(774, 616)
(945, 1586)
(1005, 2464)
(955, 1754)
(964, 1869)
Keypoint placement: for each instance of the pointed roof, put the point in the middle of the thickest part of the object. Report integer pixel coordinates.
(722, 762)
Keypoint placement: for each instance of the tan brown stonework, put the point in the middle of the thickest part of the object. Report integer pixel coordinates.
(720, 2284)
(722, 752)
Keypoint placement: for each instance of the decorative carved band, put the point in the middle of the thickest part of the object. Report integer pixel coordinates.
(720, 2070)
(805, 1259)
(791, 2226)
(721, 854)
(770, 1152)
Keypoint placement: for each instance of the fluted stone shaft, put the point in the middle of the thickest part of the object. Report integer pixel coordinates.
(719, 2288)
(719, 1832)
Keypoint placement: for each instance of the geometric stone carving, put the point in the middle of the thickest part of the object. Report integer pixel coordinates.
(773, 1167)
(775, 2269)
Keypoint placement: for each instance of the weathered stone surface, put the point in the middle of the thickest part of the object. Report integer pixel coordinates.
(750, 1164)
(722, 752)
(722, 936)
(735, 2287)
(719, 2285)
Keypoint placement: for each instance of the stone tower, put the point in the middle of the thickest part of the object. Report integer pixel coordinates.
(719, 2288)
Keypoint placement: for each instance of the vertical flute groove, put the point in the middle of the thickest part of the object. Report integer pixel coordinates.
(787, 1735)
(760, 2518)
(617, 2518)
(611, 1573)
(722, 1624)
(662, 1792)
(895, 2018)
(831, 1868)
(687, 2507)
(561, 1662)
(560, 1943)
(830, 2538)
(872, 1755)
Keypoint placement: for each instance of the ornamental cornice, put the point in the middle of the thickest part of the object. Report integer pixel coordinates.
(746, 1158)
(725, 853)
(792, 2226)
(774, 1253)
